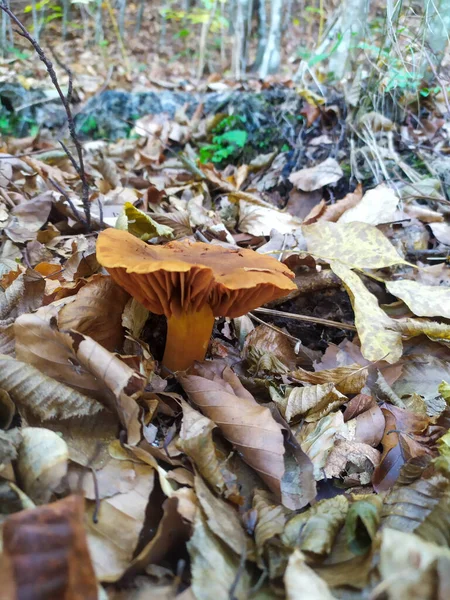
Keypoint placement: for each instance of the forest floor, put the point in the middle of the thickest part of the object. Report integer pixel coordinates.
(308, 456)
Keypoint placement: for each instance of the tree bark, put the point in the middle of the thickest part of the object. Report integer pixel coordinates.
(353, 21)
(262, 34)
(272, 54)
(437, 26)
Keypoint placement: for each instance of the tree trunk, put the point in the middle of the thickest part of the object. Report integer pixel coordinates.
(122, 12)
(272, 54)
(65, 17)
(203, 40)
(262, 34)
(140, 14)
(99, 33)
(239, 58)
(353, 21)
(437, 26)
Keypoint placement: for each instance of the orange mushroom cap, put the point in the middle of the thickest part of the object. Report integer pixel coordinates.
(182, 277)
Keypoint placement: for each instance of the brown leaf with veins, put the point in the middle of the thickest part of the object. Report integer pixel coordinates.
(46, 554)
(97, 312)
(348, 380)
(404, 438)
(357, 406)
(80, 362)
(243, 422)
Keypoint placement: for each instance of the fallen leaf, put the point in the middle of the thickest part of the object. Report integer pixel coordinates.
(362, 521)
(376, 206)
(315, 530)
(271, 519)
(197, 442)
(424, 566)
(378, 340)
(317, 440)
(141, 224)
(260, 220)
(29, 217)
(313, 178)
(419, 502)
(214, 566)
(113, 538)
(404, 438)
(423, 300)
(43, 396)
(247, 425)
(268, 340)
(80, 362)
(42, 459)
(97, 312)
(222, 519)
(353, 462)
(313, 402)
(359, 245)
(48, 545)
(347, 380)
(302, 582)
(334, 211)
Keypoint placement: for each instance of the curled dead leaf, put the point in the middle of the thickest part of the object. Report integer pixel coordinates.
(48, 545)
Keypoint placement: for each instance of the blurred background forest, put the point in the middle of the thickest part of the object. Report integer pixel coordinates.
(118, 43)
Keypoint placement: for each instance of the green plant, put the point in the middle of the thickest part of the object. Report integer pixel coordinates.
(224, 146)
(229, 139)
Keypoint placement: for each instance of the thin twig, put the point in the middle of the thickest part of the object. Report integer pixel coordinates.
(65, 195)
(307, 318)
(78, 166)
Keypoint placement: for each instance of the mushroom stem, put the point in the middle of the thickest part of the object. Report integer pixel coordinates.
(187, 338)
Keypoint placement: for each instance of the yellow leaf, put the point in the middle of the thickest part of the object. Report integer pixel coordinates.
(375, 328)
(423, 300)
(141, 224)
(358, 245)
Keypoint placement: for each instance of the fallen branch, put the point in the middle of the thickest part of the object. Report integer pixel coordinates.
(78, 165)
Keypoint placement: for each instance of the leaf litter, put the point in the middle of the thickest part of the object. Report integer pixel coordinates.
(307, 456)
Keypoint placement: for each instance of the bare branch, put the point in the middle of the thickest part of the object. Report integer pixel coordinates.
(77, 164)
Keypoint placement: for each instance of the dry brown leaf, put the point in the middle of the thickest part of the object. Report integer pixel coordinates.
(358, 405)
(404, 438)
(29, 217)
(215, 567)
(34, 392)
(41, 463)
(313, 402)
(222, 519)
(247, 425)
(82, 363)
(268, 340)
(197, 442)
(302, 582)
(174, 529)
(97, 312)
(313, 178)
(354, 462)
(317, 440)
(334, 211)
(45, 549)
(260, 220)
(114, 537)
(377, 206)
(316, 529)
(347, 380)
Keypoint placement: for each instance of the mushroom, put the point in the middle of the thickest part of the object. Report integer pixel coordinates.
(191, 283)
